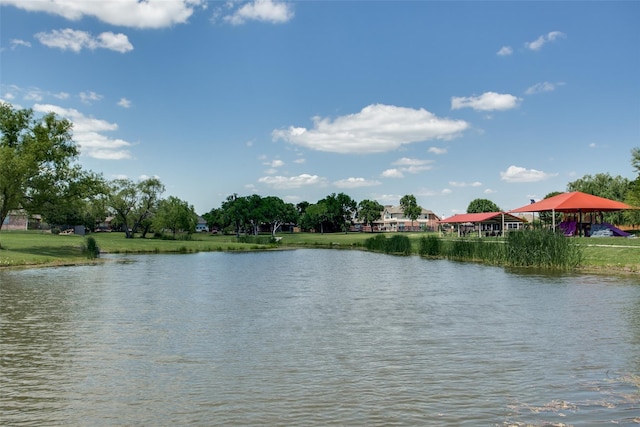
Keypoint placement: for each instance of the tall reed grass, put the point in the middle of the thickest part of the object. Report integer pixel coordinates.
(542, 248)
(526, 248)
(396, 244)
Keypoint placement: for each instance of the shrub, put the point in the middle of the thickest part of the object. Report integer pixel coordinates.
(91, 248)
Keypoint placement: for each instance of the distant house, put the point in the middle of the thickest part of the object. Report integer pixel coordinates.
(201, 225)
(394, 219)
(16, 220)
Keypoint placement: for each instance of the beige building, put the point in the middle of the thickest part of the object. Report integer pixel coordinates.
(394, 219)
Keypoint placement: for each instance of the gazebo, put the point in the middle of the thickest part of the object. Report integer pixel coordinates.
(492, 223)
(574, 202)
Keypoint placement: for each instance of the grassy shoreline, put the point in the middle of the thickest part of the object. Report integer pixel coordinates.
(25, 249)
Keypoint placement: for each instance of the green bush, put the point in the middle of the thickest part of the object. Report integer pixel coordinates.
(91, 248)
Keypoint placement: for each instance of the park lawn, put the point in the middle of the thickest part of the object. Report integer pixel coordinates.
(611, 253)
(30, 248)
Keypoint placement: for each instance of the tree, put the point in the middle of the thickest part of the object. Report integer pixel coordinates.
(215, 219)
(236, 212)
(315, 216)
(482, 205)
(149, 192)
(369, 211)
(122, 201)
(607, 186)
(340, 210)
(410, 207)
(276, 213)
(632, 198)
(175, 215)
(37, 163)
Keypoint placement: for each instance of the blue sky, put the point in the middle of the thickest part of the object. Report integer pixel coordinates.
(448, 101)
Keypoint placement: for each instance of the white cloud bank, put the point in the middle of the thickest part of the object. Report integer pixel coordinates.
(356, 183)
(288, 182)
(126, 13)
(520, 174)
(375, 129)
(88, 133)
(488, 101)
(75, 40)
(275, 12)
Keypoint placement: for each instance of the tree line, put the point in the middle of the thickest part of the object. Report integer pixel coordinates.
(39, 174)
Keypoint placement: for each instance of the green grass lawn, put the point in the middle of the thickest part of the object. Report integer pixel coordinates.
(30, 248)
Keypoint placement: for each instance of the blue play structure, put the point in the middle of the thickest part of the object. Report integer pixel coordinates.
(607, 230)
(604, 229)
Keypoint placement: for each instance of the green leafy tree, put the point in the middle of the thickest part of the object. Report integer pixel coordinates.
(276, 213)
(607, 186)
(255, 212)
(236, 212)
(632, 217)
(149, 192)
(369, 211)
(341, 210)
(175, 215)
(410, 207)
(37, 163)
(315, 217)
(215, 219)
(482, 205)
(122, 201)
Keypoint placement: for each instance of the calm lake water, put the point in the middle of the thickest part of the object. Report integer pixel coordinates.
(315, 337)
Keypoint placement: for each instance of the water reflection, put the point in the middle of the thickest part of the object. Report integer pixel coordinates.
(315, 337)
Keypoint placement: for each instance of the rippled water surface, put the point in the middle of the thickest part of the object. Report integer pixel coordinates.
(315, 337)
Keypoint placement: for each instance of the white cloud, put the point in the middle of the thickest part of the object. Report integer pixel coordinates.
(124, 103)
(88, 97)
(127, 13)
(489, 191)
(520, 174)
(88, 134)
(377, 128)
(488, 101)
(437, 150)
(413, 165)
(33, 95)
(16, 43)
(542, 87)
(284, 182)
(275, 163)
(76, 40)
(299, 161)
(544, 39)
(355, 183)
(275, 12)
(61, 95)
(465, 184)
(392, 173)
(505, 51)
(446, 191)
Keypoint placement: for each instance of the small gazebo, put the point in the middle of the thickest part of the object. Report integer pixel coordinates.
(491, 223)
